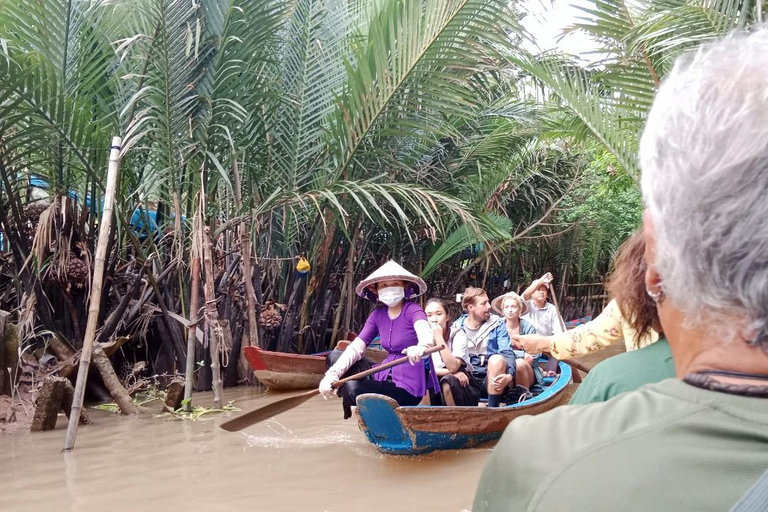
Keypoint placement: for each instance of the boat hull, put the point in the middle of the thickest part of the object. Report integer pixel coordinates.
(282, 371)
(422, 429)
(285, 372)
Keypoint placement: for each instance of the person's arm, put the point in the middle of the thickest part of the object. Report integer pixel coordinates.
(503, 341)
(424, 336)
(352, 354)
(452, 364)
(545, 279)
(460, 347)
(593, 336)
(533, 343)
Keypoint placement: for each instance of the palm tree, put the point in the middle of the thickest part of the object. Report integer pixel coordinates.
(313, 126)
(639, 41)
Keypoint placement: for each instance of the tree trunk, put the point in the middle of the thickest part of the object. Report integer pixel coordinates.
(285, 343)
(174, 394)
(5, 377)
(55, 395)
(216, 341)
(342, 296)
(245, 250)
(194, 314)
(48, 404)
(351, 257)
(116, 389)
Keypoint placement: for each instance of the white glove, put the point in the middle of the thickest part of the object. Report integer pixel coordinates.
(414, 353)
(326, 386)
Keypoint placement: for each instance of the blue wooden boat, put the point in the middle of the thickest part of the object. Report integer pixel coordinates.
(423, 428)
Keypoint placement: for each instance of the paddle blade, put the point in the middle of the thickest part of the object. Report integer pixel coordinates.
(266, 412)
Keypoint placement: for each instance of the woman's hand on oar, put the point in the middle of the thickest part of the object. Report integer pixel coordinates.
(286, 404)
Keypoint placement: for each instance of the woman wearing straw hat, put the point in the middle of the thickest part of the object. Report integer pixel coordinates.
(511, 307)
(403, 328)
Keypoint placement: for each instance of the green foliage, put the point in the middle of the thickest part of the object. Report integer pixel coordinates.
(606, 208)
(197, 412)
(411, 123)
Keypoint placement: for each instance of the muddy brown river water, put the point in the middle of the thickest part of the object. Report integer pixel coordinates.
(307, 459)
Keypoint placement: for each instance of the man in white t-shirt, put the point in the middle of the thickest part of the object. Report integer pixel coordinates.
(541, 313)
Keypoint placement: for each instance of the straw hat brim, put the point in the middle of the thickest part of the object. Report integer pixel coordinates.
(497, 303)
(391, 271)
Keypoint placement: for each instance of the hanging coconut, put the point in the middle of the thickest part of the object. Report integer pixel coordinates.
(271, 315)
(77, 272)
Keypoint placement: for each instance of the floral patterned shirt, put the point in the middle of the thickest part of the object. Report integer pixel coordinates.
(605, 330)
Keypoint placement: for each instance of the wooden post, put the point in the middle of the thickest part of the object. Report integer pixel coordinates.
(194, 313)
(98, 278)
(212, 316)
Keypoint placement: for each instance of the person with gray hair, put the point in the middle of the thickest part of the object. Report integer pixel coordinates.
(697, 442)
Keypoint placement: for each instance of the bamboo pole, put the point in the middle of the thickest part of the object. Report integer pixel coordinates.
(96, 285)
(194, 313)
(212, 314)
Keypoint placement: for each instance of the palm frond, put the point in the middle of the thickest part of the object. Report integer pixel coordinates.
(492, 228)
(414, 69)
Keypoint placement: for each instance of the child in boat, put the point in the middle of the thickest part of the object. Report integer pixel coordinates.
(403, 328)
(452, 371)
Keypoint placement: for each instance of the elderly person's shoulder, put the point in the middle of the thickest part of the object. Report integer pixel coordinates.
(653, 449)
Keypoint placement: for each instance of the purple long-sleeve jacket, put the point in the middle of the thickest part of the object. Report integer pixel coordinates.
(396, 335)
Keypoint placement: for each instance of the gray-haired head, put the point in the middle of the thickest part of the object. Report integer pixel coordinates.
(704, 156)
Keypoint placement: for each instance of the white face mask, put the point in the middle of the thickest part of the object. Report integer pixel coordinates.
(392, 295)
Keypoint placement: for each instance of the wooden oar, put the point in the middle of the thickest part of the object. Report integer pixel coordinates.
(573, 363)
(286, 404)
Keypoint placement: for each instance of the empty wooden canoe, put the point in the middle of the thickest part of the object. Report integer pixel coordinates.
(284, 371)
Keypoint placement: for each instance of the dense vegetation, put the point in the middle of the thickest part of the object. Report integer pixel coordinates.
(347, 131)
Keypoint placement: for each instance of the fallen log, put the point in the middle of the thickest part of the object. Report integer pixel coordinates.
(112, 382)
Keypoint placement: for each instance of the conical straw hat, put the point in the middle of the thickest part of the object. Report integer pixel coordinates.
(498, 302)
(391, 271)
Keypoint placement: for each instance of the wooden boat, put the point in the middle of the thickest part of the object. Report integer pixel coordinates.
(284, 371)
(422, 429)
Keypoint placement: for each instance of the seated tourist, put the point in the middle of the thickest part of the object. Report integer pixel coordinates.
(482, 341)
(632, 370)
(511, 307)
(699, 441)
(541, 313)
(452, 371)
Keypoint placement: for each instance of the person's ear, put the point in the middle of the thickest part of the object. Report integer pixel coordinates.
(652, 277)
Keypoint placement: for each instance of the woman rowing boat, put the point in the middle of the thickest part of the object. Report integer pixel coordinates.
(403, 328)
